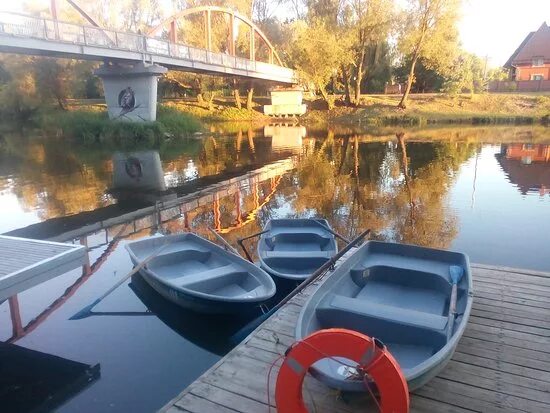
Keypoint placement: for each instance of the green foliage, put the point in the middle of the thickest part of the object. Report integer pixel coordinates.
(317, 53)
(466, 75)
(425, 79)
(498, 73)
(18, 93)
(177, 123)
(95, 128)
(430, 32)
(378, 68)
(28, 84)
(85, 126)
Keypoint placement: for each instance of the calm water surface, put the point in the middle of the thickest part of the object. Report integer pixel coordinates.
(485, 192)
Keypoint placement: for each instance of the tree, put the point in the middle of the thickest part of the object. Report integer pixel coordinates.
(467, 75)
(426, 79)
(263, 10)
(53, 76)
(317, 53)
(368, 23)
(430, 32)
(379, 62)
(498, 73)
(18, 91)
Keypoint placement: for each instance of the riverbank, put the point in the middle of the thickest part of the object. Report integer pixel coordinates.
(91, 125)
(88, 123)
(382, 110)
(429, 109)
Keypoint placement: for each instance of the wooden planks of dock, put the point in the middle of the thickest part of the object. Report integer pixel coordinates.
(502, 363)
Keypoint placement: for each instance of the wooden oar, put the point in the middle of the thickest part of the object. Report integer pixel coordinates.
(456, 273)
(87, 311)
(247, 329)
(224, 242)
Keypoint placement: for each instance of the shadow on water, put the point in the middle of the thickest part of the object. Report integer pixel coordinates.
(32, 381)
(210, 332)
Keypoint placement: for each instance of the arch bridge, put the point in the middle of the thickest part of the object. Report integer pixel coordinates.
(133, 61)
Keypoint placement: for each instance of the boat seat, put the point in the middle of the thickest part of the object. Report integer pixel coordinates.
(297, 254)
(212, 274)
(297, 238)
(385, 312)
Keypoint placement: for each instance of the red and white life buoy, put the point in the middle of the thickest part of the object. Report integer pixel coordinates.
(379, 364)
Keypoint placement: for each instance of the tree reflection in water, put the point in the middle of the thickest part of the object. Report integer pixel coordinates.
(396, 184)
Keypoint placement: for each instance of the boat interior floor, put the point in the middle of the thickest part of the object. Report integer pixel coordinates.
(405, 305)
(205, 272)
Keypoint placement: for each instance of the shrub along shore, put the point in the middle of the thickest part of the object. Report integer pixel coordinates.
(89, 124)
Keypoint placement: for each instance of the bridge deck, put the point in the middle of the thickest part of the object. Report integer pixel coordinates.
(37, 36)
(25, 263)
(502, 363)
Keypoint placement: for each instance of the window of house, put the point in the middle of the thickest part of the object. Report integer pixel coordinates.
(537, 77)
(538, 61)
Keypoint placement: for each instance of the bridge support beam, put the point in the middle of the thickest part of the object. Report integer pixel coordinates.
(131, 90)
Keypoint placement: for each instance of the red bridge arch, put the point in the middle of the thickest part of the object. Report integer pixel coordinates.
(171, 25)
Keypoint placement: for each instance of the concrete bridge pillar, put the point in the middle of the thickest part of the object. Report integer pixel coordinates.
(131, 90)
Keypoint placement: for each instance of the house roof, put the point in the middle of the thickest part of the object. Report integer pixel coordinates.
(535, 44)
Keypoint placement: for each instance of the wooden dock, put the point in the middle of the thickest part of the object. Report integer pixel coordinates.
(25, 263)
(502, 363)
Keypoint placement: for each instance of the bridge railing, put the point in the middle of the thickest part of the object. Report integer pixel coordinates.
(46, 29)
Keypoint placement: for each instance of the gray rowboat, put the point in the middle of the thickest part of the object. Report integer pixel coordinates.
(199, 275)
(293, 249)
(399, 294)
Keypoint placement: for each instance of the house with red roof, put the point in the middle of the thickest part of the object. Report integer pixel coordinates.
(531, 60)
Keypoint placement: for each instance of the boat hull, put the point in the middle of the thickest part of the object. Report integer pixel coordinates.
(198, 275)
(197, 304)
(293, 249)
(405, 306)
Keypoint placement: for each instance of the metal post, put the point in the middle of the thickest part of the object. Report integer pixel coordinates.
(53, 10)
(173, 31)
(232, 34)
(86, 267)
(15, 314)
(208, 29)
(252, 46)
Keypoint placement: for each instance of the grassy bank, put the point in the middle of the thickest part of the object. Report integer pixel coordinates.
(89, 125)
(224, 111)
(437, 109)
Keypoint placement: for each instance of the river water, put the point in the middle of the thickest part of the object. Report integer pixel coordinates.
(482, 191)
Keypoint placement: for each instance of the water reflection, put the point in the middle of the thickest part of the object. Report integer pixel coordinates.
(408, 186)
(285, 136)
(50, 179)
(527, 166)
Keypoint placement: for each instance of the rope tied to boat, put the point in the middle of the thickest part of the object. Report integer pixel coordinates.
(373, 364)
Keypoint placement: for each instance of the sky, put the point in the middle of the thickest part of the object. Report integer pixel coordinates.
(495, 28)
(492, 28)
